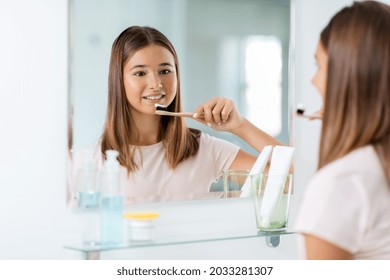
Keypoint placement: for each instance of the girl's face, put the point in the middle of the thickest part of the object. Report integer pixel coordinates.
(319, 79)
(150, 77)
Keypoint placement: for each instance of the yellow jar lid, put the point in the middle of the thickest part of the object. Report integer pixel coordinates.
(141, 215)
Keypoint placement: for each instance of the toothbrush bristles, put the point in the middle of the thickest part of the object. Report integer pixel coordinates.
(300, 109)
(160, 107)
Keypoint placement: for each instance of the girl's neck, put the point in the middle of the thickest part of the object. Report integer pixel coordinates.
(148, 130)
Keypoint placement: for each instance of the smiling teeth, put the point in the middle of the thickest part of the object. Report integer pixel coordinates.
(153, 97)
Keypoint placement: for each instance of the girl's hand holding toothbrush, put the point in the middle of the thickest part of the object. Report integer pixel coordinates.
(220, 114)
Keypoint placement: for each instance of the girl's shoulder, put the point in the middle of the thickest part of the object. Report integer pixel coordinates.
(360, 160)
(215, 147)
(354, 169)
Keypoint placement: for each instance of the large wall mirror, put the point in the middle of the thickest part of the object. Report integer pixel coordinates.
(233, 48)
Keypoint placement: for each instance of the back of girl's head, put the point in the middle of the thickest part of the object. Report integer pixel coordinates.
(357, 101)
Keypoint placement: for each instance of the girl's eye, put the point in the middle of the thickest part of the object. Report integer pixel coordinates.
(165, 71)
(139, 73)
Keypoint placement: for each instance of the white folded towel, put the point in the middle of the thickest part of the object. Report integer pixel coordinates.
(257, 168)
(279, 169)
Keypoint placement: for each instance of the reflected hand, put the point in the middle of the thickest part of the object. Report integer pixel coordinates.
(318, 115)
(220, 114)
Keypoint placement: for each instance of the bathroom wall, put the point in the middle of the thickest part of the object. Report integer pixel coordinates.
(34, 221)
(33, 111)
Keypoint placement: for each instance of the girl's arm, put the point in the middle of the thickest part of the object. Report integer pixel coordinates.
(319, 249)
(222, 115)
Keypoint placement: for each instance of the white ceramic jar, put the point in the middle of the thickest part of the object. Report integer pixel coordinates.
(140, 225)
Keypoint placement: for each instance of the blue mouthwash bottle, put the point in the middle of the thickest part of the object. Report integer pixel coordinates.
(111, 203)
(88, 195)
(88, 199)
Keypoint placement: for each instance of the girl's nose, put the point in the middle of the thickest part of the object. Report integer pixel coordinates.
(155, 83)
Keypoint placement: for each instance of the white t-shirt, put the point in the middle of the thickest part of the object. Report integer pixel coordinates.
(154, 180)
(347, 203)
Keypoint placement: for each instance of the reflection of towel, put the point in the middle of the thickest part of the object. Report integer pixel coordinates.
(279, 169)
(257, 168)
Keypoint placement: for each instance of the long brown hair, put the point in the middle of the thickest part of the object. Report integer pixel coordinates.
(357, 101)
(120, 133)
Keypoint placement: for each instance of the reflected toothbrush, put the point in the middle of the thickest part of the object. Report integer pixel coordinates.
(162, 111)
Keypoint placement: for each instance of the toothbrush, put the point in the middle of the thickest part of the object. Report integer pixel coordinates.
(301, 113)
(162, 111)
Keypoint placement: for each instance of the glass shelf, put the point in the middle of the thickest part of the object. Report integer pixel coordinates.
(92, 250)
